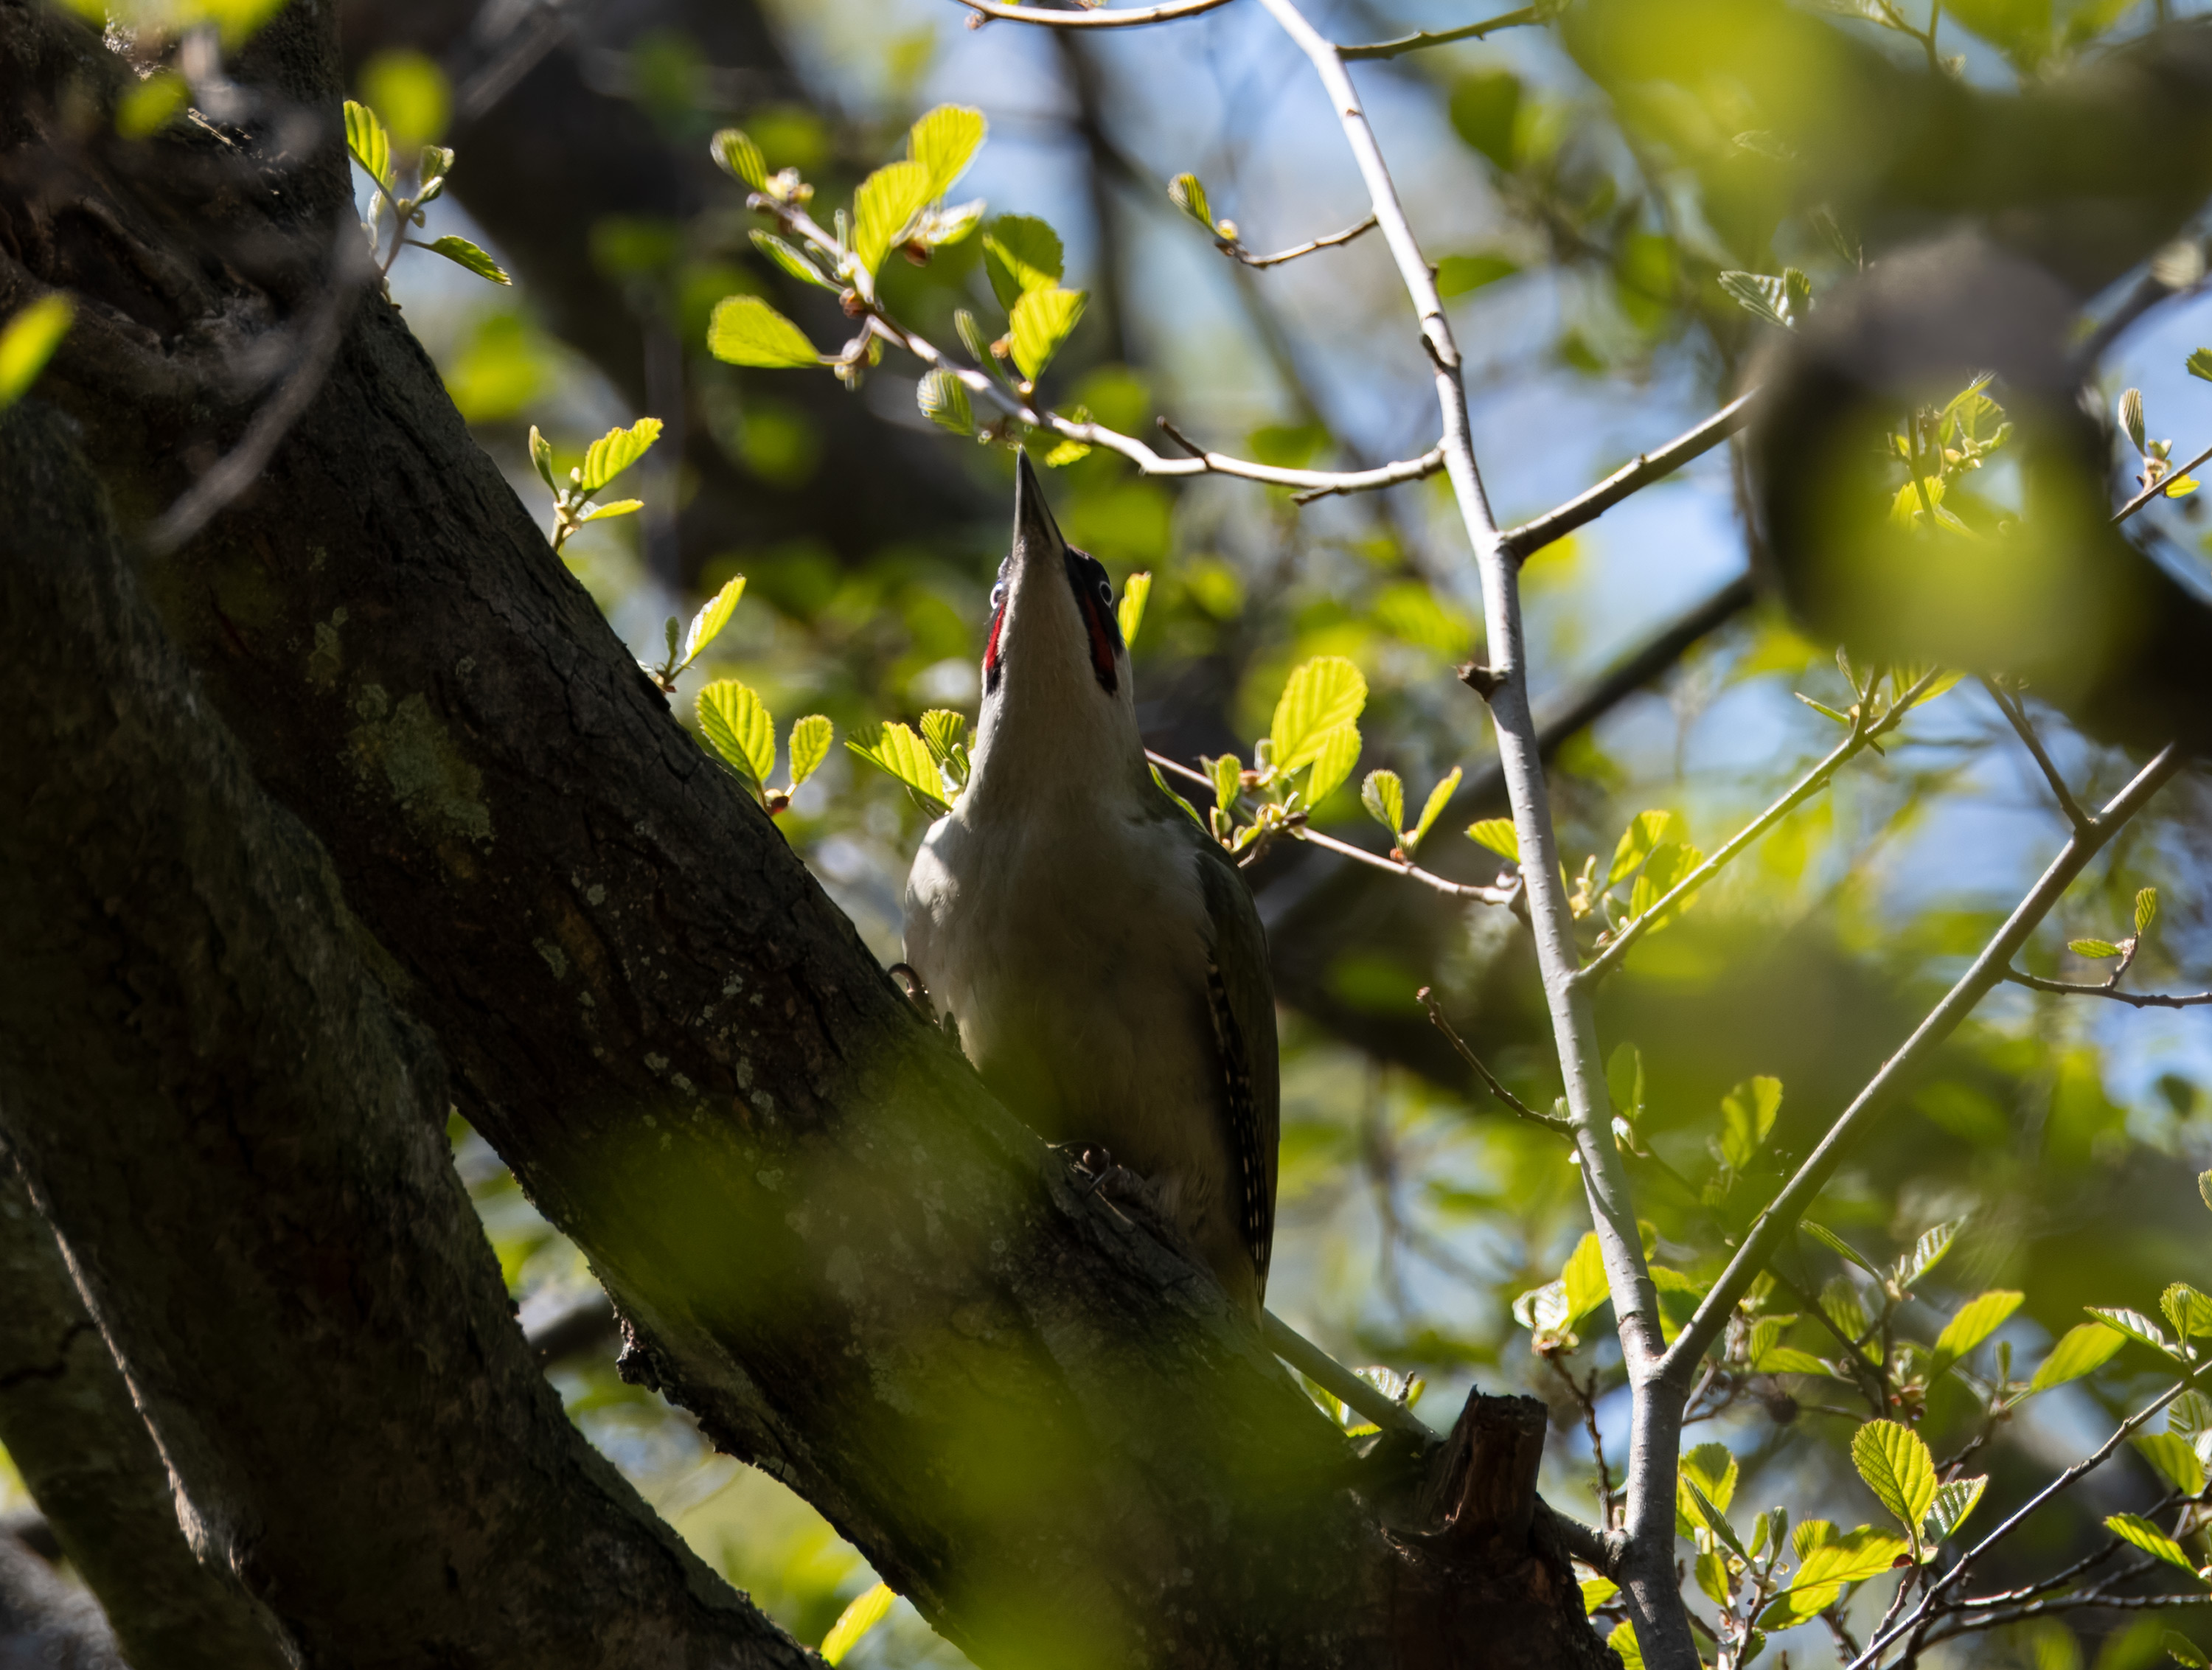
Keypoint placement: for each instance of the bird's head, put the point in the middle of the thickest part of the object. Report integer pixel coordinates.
(1056, 688)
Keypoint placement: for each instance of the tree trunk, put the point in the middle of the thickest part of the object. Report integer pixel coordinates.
(1044, 1426)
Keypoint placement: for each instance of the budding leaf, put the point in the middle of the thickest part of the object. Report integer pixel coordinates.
(1432, 809)
(1228, 772)
(616, 450)
(2190, 1311)
(1645, 832)
(1384, 797)
(942, 398)
(368, 142)
(746, 331)
(2199, 364)
(740, 727)
(945, 141)
(706, 625)
(1021, 253)
(793, 261)
(809, 745)
(541, 454)
(2131, 416)
(613, 507)
(2146, 909)
(740, 157)
(856, 1621)
(900, 753)
(463, 253)
(1761, 295)
(887, 200)
(1130, 612)
(1188, 193)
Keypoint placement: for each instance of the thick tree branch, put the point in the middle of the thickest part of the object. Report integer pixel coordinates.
(69, 1425)
(241, 1147)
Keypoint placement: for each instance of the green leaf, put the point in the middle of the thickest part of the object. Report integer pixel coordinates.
(1188, 193)
(1498, 834)
(1976, 1320)
(1334, 758)
(2205, 1186)
(740, 726)
(1384, 797)
(1843, 720)
(1747, 1116)
(1760, 295)
(2176, 1460)
(1953, 1502)
(2146, 909)
(1645, 832)
(1623, 1643)
(1712, 1577)
(616, 450)
(2131, 416)
(1461, 274)
(1583, 1279)
(1712, 1468)
(739, 157)
(1835, 1244)
(2099, 948)
(942, 398)
(368, 142)
(808, 746)
(856, 1621)
(152, 105)
(463, 253)
(1161, 784)
(888, 199)
(1596, 1591)
(1668, 863)
(793, 261)
(1927, 1253)
(1042, 320)
(2180, 1647)
(1021, 253)
(900, 753)
(746, 331)
(1898, 1469)
(1801, 1603)
(1129, 613)
(1228, 773)
(2199, 364)
(944, 731)
(2191, 1415)
(2136, 1529)
(541, 454)
(613, 507)
(2190, 1311)
(706, 625)
(2136, 1325)
(1320, 694)
(1432, 809)
(1851, 1558)
(29, 341)
(1789, 1360)
(945, 141)
(1624, 1081)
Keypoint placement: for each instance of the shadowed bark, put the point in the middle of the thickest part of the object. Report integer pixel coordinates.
(69, 1425)
(1045, 1427)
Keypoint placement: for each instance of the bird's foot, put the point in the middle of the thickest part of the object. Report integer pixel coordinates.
(1095, 1166)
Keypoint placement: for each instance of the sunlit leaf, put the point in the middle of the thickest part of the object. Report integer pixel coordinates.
(368, 143)
(1384, 797)
(1582, 1279)
(2136, 1529)
(745, 330)
(793, 261)
(740, 726)
(706, 625)
(541, 455)
(1765, 297)
(1228, 774)
(1188, 193)
(1042, 321)
(1927, 1253)
(1623, 1643)
(1192, 811)
(1645, 832)
(1596, 1591)
(898, 752)
(942, 398)
(1953, 1502)
(2199, 364)
(2146, 909)
(2180, 1648)
(1852, 1557)
(1439, 797)
(463, 253)
(2190, 1311)
(1542, 1309)
(29, 341)
(1789, 1360)
(1747, 1116)
(613, 507)
(1334, 756)
(808, 746)
(1976, 1320)
(1320, 694)
(945, 141)
(616, 450)
(1898, 1468)
(856, 1621)
(2136, 1325)
(1713, 1469)
(887, 200)
(2095, 948)
(1624, 1081)
(1129, 613)
(1021, 253)
(2176, 1460)
(1498, 834)
(739, 157)
(1835, 1244)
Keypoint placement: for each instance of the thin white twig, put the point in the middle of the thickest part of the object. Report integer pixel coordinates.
(1100, 19)
(2159, 486)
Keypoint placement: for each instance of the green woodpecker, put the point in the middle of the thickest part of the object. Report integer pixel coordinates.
(1097, 951)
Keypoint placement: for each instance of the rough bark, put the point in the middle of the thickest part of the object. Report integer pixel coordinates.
(69, 1425)
(1044, 1426)
(241, 1146)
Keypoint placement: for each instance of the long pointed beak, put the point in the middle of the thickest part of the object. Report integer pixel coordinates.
(1036, 534)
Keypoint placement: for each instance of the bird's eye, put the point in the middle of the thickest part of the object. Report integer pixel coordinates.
(998, 596)
(1105, 592)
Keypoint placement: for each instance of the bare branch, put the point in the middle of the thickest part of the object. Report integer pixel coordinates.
(1334, 240)
(1407, 868)
(1415, 43)
(1339, 1382)
(2016, 716)
(1781, 1215)
(1865, 730)
(2135, 999)
(1552, 1122)
(1532, 536)
(1101, 18)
